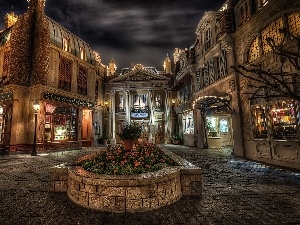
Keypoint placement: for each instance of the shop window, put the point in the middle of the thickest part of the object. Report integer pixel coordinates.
(61, 125)
(1, 123)
(188, 123)
(294, 23)
(65, 74)
(82, 81)
(254, 51)
(66, 44)
(283, 120)
(207, 38)
(212, 126)
(272, 31)
(260, 122)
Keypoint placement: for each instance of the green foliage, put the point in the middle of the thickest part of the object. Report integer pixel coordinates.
(117, 161)
(130, 131)
(176, 136)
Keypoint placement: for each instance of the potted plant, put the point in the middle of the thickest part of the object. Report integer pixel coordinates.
(129, 133)
(176, 139)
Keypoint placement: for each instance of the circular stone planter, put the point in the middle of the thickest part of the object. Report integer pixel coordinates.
(124, 193)
(128, 193)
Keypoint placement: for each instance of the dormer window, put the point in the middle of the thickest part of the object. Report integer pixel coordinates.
(261, 3)
(207, 38)
(66, 44)
(82, 54)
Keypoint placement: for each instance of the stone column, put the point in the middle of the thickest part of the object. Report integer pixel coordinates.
(167, 117)
(127, 106)
(113, 117)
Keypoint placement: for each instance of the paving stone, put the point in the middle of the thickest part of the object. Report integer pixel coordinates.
(235, 191)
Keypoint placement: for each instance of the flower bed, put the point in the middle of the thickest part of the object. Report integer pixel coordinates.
(116, 160)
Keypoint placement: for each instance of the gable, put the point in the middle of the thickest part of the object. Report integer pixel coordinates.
(139, 75)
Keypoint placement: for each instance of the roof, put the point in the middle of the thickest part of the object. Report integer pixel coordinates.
(57, 32)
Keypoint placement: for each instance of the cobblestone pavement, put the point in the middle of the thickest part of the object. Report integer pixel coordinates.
(235, 191)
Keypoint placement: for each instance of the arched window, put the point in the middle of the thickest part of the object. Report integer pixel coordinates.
(272, 31)
(294, 23)
(253, 51)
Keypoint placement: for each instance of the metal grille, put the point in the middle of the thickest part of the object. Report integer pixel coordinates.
(223, 63)
(254, 51)
(294, 23)
(82, 81)
(65, 74)
(272, 31)
(211, 71)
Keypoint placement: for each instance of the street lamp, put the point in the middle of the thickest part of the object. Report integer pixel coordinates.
(36, 107)
(106, 104)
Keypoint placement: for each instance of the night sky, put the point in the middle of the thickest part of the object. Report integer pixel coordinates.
(138, 31)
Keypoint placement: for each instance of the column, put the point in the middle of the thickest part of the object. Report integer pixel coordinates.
(113, 117)
(127, 106)
(167, 117)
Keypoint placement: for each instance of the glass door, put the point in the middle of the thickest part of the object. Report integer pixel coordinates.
(225, 130)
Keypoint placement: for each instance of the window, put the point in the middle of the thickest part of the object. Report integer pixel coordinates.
(82, 81)
(188, 123)
(242, 12)
(6, 61)
(272, 31)
(121, 104)
(82, 54)
(96, 89)
(283, 119)
(207, 38)
(65, 74)
(223, 63)
(158, 102)
(294, 23)
(66, 44)
(260, 122)
(262, 3)
(212, 126)
(254, 51)
(139, 101)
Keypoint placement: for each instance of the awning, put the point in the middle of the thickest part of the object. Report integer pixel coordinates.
(212, 104)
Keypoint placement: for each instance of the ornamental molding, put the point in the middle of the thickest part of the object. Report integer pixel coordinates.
(139, 74)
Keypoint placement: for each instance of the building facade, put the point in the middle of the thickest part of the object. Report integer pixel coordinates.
(42, 61)
(138, 94)
(270, 121)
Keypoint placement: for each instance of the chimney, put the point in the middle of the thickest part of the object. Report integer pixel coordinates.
(10, 19)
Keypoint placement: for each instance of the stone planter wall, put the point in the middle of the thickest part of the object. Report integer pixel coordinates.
(130, 193)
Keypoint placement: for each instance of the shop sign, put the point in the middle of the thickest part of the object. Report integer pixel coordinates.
(139, 115)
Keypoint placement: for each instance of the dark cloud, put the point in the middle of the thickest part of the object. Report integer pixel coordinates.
(142, 31)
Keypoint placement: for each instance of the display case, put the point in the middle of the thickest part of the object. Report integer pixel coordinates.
(260, 122)
(283, 120)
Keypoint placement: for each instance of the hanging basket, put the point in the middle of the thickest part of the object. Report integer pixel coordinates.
(128, 144)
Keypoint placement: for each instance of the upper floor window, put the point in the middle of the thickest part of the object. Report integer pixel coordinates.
(244, 12)
(82, 54)
(254, 51)
(82, 81)
(65, 74)
(294, 23)
(96, 89)
(261, 3)
(272, 31)
(1, 123)
(158, 102)
(207, 38)
(66, 44)
(6, 62)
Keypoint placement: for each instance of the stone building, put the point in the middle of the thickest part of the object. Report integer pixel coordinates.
(270, 124)
(138, 94)
(42, 61)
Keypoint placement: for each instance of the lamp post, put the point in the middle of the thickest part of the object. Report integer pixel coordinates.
(36, 107)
